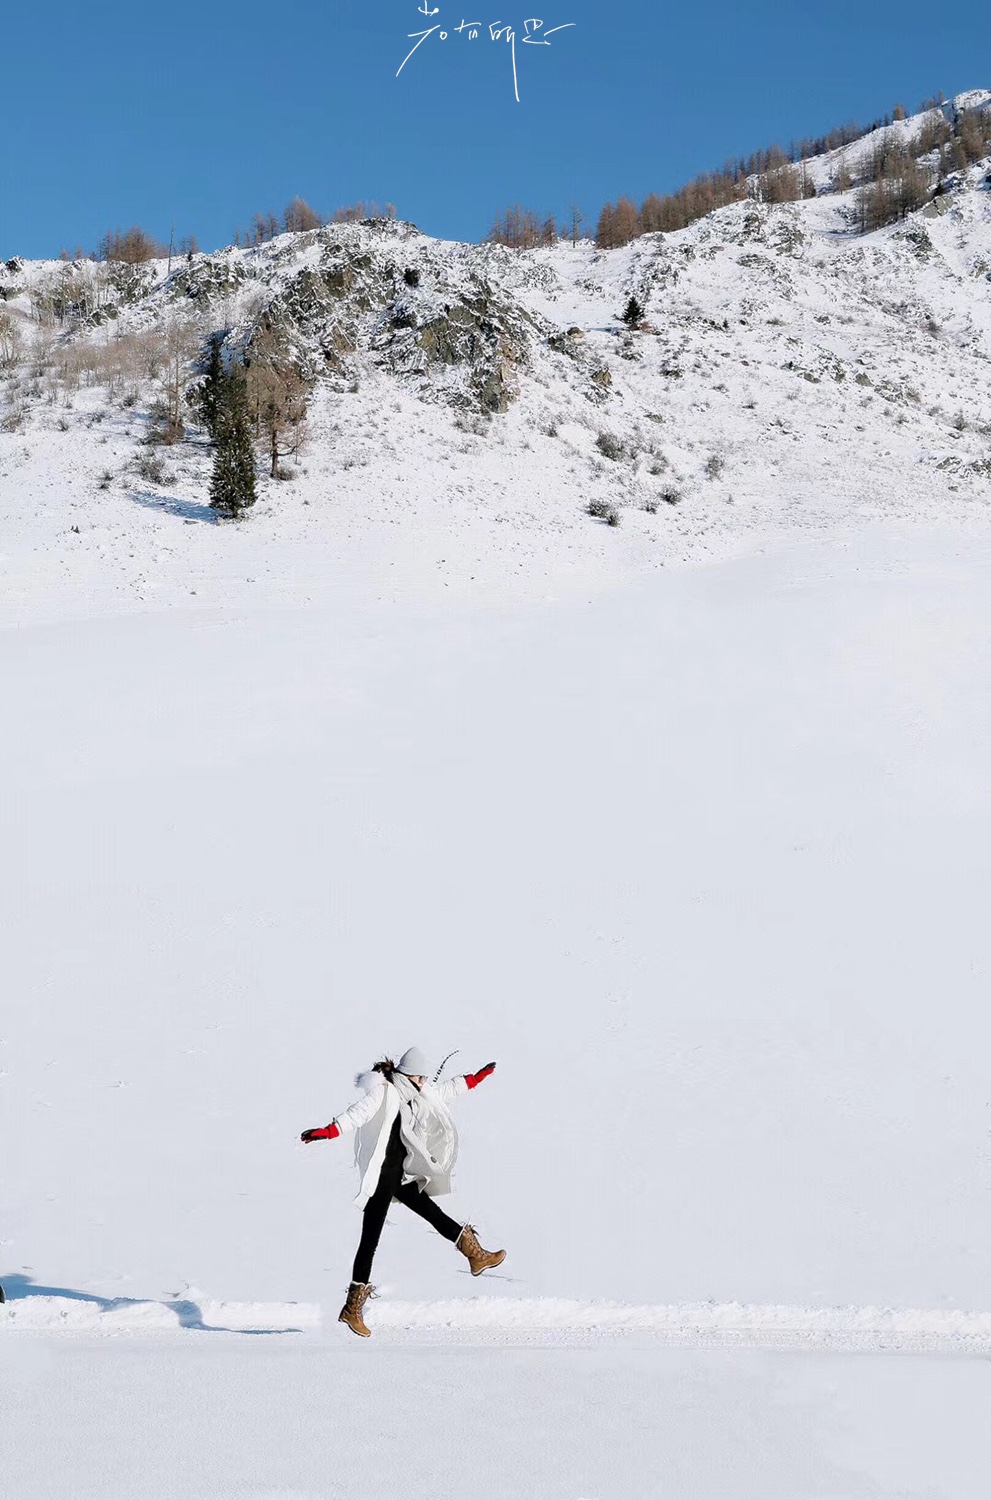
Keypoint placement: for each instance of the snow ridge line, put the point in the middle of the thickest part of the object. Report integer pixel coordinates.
(555, 1312)
(699, 1324)
(538, 1319)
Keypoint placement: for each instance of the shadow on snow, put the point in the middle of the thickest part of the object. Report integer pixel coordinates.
(172, 505)
(189, 1314)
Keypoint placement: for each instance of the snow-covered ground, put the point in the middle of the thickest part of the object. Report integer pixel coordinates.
(698, 853)
(701, 861)
(214, 1419)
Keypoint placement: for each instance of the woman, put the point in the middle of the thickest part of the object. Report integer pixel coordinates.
(406, 1148)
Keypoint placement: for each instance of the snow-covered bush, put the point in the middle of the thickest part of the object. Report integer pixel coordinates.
(13, 419)
(150, 467)
(10, 341)
(610, 446)
(604, 510)
(479, 424)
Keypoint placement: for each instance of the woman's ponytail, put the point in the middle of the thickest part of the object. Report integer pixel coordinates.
(386, 1067)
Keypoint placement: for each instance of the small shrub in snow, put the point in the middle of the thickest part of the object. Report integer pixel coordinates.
(10, 342)
(106, 480)
(671, 495)
(611, 446)
(165, 429)
(651, 505)
(604, 510)
(151, 468)
(714, 466)
(477, 423)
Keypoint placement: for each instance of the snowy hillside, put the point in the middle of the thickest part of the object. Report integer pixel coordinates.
(421, 752)
(792, 376)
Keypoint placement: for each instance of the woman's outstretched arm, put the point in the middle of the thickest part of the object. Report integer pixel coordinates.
(355, 1115)
(451, 1087)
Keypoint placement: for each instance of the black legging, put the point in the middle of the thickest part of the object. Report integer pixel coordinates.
(391, 1185)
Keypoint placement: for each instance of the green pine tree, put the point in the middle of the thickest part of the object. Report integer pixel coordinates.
(633, 313)
(232, 482)
(211, 397)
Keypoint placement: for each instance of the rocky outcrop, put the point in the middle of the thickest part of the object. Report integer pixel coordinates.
(479, 339)
(390, 294)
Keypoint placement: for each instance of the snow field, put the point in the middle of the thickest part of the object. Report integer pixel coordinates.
(226, 1418)
(732, 979)
(701, 863)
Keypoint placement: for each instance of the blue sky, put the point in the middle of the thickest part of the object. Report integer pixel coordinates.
(203, 114)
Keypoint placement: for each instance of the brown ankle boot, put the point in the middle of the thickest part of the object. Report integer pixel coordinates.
(358, 1294)
(478, 1259)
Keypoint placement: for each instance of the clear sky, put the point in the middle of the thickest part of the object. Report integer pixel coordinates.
(205, 113)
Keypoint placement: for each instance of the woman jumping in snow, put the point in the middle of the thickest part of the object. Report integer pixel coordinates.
(406, 1148)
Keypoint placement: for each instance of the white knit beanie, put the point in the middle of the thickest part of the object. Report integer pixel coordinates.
(413, 1064)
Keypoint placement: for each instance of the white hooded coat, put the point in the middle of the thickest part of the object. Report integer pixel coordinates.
(428, 1130)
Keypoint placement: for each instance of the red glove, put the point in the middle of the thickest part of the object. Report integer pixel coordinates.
(474, 1079)
(325, 1133)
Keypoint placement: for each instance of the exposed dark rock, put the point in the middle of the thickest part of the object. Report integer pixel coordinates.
(206, 279)
(488, 337)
